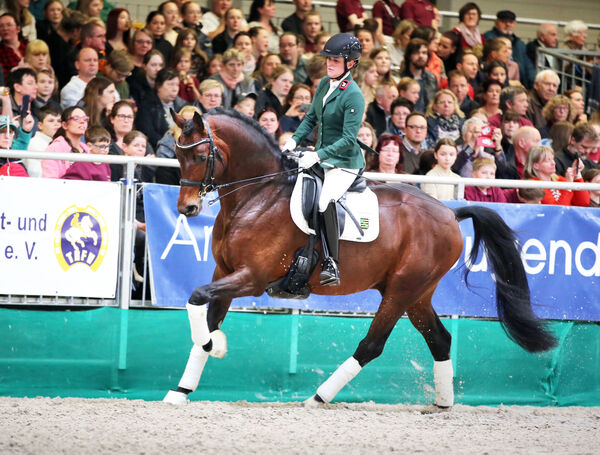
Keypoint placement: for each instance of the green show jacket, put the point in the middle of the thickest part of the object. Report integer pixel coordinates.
(338, 124)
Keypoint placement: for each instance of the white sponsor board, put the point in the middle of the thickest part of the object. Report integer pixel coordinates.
(59, 237)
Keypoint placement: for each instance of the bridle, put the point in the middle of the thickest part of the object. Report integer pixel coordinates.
(207, 184)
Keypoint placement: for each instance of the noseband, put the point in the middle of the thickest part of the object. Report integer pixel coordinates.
(208, 183)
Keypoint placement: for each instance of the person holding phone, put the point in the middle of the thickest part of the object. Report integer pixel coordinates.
(337, 110)
(540, 165)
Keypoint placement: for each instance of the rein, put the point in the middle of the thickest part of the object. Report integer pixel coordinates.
(207, 184)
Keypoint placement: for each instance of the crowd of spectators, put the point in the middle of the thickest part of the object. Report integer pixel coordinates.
(459, 102)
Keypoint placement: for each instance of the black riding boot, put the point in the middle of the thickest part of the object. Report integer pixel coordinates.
(330, 275)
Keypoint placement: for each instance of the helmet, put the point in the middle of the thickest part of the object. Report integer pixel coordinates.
(343, 45)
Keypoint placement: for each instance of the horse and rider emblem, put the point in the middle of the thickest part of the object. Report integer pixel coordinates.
(80, 237)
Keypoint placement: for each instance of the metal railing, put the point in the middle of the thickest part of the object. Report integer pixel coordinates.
(127, 218)
(573, 67)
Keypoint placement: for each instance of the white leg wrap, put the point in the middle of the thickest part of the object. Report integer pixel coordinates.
(193, 369)
(198, 324)
(340, 377)
(443, 375)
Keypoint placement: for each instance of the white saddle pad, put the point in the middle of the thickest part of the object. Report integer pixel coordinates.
(364, 206)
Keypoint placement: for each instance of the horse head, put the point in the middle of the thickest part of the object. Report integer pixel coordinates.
(198, 156)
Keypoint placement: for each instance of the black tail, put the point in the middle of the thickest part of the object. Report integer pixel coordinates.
(512, 289)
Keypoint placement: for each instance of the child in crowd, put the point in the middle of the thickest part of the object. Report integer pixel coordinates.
(409, 89)
(11, 166)
(445, 155)
(188, 83)
(48, 124)
(246, 105)
(525, 195)
(98, 140)
(484, 168)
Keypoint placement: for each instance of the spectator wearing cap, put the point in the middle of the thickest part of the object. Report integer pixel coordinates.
(117, 69)
(421, 11)
(504, 27)
(17, 138)
(547, 37)
(12, 47)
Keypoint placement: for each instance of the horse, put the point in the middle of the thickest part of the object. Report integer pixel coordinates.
(254, 240)
(80, 230)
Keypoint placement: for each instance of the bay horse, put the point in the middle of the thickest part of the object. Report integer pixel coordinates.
(254, 241)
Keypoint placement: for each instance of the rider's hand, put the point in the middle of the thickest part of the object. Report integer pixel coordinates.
(289, 146)
(308, 159)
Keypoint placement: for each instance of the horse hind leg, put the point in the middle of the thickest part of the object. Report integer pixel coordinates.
(368, 349)
(438, 339)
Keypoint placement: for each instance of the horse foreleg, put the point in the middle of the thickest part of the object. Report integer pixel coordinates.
(438, 339)
(368, 349)
(204, 325)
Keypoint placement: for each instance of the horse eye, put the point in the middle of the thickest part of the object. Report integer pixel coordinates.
(201, 158)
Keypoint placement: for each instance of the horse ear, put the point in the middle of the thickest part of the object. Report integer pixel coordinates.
(198, 121)
(178, 119)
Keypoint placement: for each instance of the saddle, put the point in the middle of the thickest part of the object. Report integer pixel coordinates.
(359, 205)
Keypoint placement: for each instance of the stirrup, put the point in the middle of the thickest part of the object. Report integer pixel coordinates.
(330, 275)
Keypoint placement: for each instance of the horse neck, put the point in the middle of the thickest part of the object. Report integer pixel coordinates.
(246, 159)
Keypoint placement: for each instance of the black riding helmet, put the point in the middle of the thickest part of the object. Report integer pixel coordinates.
(344, 45)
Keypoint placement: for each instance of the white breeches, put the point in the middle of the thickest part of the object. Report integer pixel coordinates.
(336, 182)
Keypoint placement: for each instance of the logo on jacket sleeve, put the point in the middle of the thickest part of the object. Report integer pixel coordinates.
(80, 237)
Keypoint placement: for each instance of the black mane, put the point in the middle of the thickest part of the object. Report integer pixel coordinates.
(273, 146)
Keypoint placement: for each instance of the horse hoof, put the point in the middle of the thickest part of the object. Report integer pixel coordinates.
(312, 402)
(435, 409)
(176, 398)
(219, 341)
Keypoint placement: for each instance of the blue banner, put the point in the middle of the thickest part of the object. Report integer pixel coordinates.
(561, 254)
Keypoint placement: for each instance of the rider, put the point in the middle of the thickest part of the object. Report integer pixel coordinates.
(337, 111)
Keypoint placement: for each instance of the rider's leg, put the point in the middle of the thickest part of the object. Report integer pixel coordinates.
(335, 184)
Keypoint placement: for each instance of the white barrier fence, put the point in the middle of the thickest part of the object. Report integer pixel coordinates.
(128, 204)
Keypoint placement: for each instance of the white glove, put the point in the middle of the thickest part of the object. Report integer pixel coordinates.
(308, 159)
(289, 146)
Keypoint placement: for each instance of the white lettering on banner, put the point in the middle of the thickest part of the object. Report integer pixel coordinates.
(191, 240)
(207, 235)
(555, 246)
(595, 270)
(536, 257)
(539, 256)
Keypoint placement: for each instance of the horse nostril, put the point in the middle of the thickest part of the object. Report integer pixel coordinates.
(191, 210)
